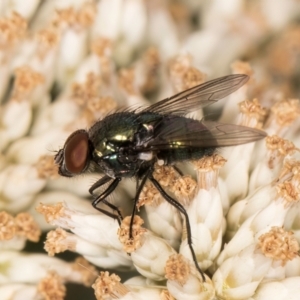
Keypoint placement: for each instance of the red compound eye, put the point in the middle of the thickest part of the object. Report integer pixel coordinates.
(76, 152)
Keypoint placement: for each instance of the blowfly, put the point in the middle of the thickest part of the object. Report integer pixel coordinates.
(127, 144)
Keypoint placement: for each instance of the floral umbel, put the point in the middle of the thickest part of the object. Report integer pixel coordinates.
(66, 64)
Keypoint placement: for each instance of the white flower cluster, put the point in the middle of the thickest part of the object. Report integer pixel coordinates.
(67, 64)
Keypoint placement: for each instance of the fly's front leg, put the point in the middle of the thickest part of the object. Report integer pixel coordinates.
(103, 195)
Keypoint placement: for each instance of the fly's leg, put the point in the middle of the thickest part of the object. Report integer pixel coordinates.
(105, 179)
(177, 170)
(136, 198)
(103, 195)
(178, 206)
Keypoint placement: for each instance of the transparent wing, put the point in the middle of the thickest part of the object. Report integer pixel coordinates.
(199, 96)
(180, 132)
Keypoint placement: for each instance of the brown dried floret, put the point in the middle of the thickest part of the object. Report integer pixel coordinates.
(131, 244)
(7, 226)
(208, 170)
(183, 74)
(285, 112)
(242, 67)
(165, 175)
(289, 191)
(191, 78)
(46, 167)
(26, 80)
(179, 64)
(48, 37)
(151, 61)
(209, 163)
(282, 146)
(102, 47)
(12, 29)
(89, 89)
(109, 287)
(126, 80)
(86, 14)
(290, 168)
(279, 244)
(149, 196)
(52, 287)
(51, 212)
(82, 17)
(27, 227)
(184, 189)
(252, 113)
(279, 148)
(177, 268)
(102, 105)
(283, 54)
(56, 242)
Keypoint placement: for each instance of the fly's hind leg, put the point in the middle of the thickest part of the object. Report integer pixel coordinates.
(103, 195)
(178, 206)
(136, 198)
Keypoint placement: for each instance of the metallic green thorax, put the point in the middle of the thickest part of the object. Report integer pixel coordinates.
(124, 144)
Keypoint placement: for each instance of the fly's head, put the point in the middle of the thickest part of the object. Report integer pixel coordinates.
(74, 158)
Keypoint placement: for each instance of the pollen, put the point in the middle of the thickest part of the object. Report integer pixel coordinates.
(126, 80)
(241, 67)
(209, 163)
(284, 147)
(208, 170)
(177, 268)
(253, 113)
(102, 47)
(27, 227)
(149, 196)
(165, 175)
(109, 287)
(290, 168)
(102, 105)
(89, 89)
(279, 147)
(289, 191)
(131, 244)
(46, 167)
(184, 189)
(151, 62)
(285, 111)
(52, 287)
(51, 212)
(86, 14)
(183, 74)
(87, 271)
(83, 17)
(12, 29)
(191, 78)
(283, 54)
(47, 39)
(279, 244)
(56, 242)
(179, 65)
(7, 226)
(26, 81)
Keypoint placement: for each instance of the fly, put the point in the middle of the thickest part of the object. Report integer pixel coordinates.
(129, 143)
